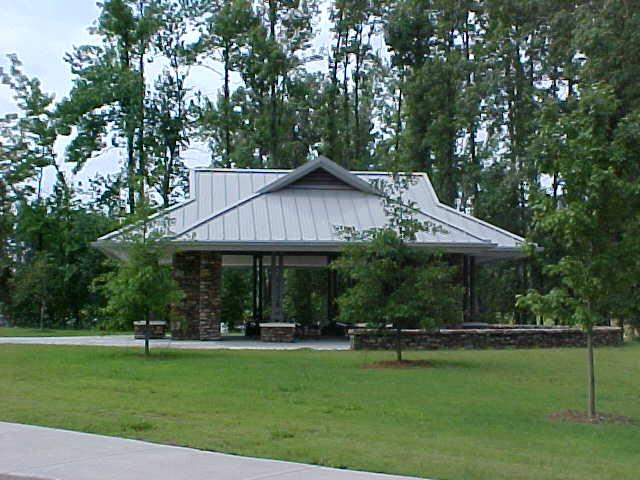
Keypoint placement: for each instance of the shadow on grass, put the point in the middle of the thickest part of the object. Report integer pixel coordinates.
(417, 364)
(160, 355)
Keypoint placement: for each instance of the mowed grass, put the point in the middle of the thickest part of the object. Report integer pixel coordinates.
(49, 332)
(473, 415)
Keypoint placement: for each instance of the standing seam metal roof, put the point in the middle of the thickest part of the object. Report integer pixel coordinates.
(241, 206)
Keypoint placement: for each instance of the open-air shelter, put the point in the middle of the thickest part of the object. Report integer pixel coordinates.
(269, 220)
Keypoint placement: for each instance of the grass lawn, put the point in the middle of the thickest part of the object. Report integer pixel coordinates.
(47, 332)
(473, 415)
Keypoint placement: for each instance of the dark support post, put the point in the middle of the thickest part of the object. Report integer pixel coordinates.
(280, 312)
(260, 289)
(255, 288)
(332, 287)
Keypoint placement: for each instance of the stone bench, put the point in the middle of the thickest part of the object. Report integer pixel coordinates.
(157, 329)
(277, 332)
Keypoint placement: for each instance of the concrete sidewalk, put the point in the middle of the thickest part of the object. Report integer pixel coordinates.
(46, 453)
(228, 343)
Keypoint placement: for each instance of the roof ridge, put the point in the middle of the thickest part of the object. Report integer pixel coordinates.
(289, 170)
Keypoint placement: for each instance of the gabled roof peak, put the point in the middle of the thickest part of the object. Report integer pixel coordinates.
(321, 163)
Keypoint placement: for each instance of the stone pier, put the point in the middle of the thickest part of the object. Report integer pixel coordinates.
(198, 273)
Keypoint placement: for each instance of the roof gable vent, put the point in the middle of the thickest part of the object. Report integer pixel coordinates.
(320, 173)
(320, 179)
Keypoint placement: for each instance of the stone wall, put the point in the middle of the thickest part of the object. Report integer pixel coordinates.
(366, 339)
(197, 316)
(209, 312)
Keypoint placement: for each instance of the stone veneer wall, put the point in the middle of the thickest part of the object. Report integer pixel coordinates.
(366, 339)
(210, 279)
(198, 273)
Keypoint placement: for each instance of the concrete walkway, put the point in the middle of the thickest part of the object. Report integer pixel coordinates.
(28, 452)
(231, 343)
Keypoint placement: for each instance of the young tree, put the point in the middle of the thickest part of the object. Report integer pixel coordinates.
(597, 221)
(141, 286)
(393, 281)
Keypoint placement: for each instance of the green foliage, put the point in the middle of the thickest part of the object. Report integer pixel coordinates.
(139, 288)
(33, 287)
(396, 284)
(305, 295)
(599, 217)
(235, 296)
(56, 229)
(475, 93)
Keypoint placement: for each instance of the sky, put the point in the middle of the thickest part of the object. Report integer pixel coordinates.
(41, 32)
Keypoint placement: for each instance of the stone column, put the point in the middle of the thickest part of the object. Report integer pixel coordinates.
(186, 273)
(209, 312)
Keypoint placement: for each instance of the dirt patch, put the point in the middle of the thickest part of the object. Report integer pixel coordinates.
(577, 416)
(400, 364)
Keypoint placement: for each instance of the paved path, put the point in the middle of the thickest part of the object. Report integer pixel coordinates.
(227, 343)
(46, 453)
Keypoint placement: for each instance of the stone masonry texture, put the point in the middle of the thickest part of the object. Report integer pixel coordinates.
(367, 339)
(197, 315)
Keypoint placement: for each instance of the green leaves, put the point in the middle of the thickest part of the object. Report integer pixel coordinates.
(396, 284)
(139, 287)
(599, 205)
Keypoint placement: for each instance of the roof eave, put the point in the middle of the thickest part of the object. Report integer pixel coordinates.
(111, 247)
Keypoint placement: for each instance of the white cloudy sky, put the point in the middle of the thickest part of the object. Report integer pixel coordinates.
(40, 32)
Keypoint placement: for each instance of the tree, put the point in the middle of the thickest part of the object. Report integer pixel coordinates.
(33, 285)
(225, 31)
(27, 141)
(235, 296)
(141, 286)
(169, 119)
(597, 221)
(394, 282)
(107, 101)
(61, 229)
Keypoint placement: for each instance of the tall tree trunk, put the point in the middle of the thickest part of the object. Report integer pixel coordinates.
(227, 110)
(332, 134)
(142, 161)
(42, 310)
(356, 93)
(346, 157)
(398, 343)
(399, 115)
(472, 123)
(273, 83)
(591, 381)
(129, 127)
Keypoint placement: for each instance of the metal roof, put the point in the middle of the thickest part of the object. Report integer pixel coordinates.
(261, 210)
